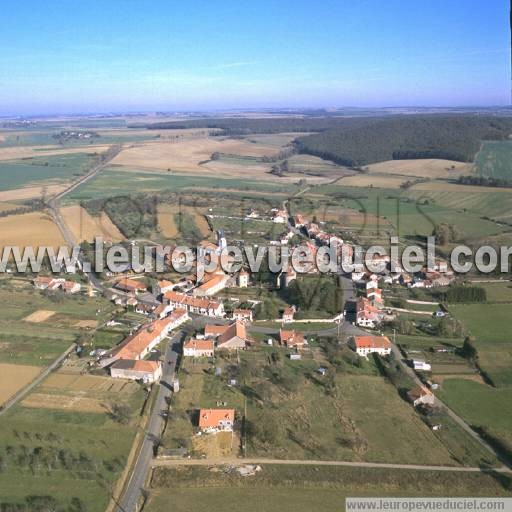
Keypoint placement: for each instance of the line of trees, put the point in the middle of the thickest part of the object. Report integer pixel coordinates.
(485, 181)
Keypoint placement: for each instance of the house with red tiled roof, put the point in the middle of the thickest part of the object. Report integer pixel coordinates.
(130, 285)
(365, 345)
(420, 395)
(145, 371)
(197, 305)
(198, 348)
(212, 285)
(292, 339)
(216, 419)
(288, 314)
(228, 337)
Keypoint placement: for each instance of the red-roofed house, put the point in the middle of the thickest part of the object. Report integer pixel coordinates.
(292, 339)
(229, 337)
(198, 348)
(365, 345)
(244, 315)
(130, 285)
(288, 314)
(420, 395)
(217, 419)
(146, 371)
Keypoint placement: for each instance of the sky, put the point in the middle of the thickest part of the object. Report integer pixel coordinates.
(62, 56)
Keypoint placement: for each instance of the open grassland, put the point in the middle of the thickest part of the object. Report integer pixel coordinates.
(29, 229)
(495, 160)
(295, 488)
(86, 227)
(498, 292)
(135, 181)
(427, 168)
(14, 377)
(39, 344)
(482, 406)
(66, 454)
(490, 326)
(15, 174)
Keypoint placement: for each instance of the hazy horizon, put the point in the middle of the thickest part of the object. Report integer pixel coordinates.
(167, 56)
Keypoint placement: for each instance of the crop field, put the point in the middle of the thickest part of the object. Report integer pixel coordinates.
(191, 154)
(36, 192)
(295, 488)
(16, 174)
(67, 453)
(498, 292)
(489, 324)
(29, 152)
(14, 377)
(29, 229)
(171, 219)
(136, 181)
(86, 227)
(427, 168)
(41, 315)
(495, 160)
(372, 180)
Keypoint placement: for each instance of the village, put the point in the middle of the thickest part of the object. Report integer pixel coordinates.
(218, 327)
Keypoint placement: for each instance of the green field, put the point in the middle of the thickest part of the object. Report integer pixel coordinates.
(128, 181)
(39, 344)
(495, 160)
(66, 455)
(490, 326)
(498, 292)
(481, 406)
(417, 213)
(304, 488)
(51, 169)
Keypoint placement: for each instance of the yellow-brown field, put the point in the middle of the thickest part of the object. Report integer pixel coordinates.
(41, 315)
(369, 180)
(37, 191)
(86, 227)
(165, 219)
(29, 229)
(62, 402)
(71, 382)
(428, 168)
(16, 152)
(187, 154)
(14, 377)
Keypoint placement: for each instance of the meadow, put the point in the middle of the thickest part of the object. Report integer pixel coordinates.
(489, 324)
(302, 488)
(71, 455)
(495, 159)
(48, 169)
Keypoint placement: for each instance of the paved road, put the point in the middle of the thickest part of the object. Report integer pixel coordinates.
(29, 387)
(214, 462)
(133, 491)
(54, 207)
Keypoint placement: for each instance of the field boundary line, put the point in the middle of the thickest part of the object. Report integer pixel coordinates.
(22, 393)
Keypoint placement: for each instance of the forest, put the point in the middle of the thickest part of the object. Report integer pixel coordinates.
(358, 141)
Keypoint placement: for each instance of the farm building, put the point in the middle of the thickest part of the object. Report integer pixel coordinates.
(146, 371)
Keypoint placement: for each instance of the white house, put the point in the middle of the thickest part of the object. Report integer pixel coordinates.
(366, 345)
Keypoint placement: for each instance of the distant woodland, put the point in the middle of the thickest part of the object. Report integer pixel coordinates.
(359, 141)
